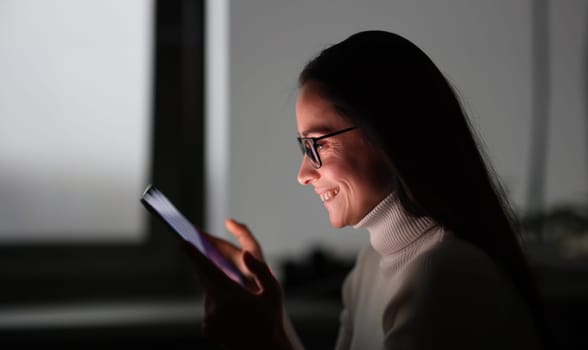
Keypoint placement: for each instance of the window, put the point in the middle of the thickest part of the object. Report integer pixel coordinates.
(146, 264)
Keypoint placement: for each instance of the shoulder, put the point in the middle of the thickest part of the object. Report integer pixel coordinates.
(454, 278)
(451, 263)
(455, 288)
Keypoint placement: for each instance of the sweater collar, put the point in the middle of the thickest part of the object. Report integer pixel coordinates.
(391, 228)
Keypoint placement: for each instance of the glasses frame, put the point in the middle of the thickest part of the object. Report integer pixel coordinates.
(312, 152)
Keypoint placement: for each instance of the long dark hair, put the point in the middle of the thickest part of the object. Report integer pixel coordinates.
(392, 90)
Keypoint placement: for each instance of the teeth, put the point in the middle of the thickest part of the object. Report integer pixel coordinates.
(328, 195)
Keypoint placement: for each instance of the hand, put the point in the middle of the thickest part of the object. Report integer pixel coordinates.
(236, 316)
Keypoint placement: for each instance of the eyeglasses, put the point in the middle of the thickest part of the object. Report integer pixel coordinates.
(308, 146)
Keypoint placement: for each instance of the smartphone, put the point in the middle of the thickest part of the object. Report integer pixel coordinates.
(157, 203)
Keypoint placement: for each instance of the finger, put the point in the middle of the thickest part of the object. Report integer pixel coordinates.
(266, 280)
(245, 237)
(227, 249)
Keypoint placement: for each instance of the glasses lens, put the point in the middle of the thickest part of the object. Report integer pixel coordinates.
(310, 151)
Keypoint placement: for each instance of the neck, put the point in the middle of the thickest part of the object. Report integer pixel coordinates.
(391, 228)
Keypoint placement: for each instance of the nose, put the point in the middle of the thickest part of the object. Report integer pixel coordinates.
(307, 174)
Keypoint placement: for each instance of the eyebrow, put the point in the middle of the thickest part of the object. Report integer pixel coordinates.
(316, 130)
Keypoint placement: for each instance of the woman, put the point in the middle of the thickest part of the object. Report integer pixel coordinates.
(387, 147)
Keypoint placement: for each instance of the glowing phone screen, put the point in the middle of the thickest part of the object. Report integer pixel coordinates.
(163, 207)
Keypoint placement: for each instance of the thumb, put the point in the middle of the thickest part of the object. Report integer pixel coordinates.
(245, 237)
(266, 280)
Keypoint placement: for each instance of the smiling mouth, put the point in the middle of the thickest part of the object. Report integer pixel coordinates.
(329, 195)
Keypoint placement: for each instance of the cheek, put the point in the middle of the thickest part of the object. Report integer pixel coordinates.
(359, 170)
(340, 169)
(352, 176)
(371, 175)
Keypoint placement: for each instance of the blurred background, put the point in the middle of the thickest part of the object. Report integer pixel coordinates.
(100, 98)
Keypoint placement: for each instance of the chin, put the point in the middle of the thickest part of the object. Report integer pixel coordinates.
(337, 223)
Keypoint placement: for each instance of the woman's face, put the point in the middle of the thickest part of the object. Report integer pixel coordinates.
(355, 175)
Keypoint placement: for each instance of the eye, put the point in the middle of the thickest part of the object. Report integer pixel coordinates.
(320, 145)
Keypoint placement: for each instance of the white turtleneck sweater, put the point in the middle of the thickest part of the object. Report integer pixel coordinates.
(417, 286)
